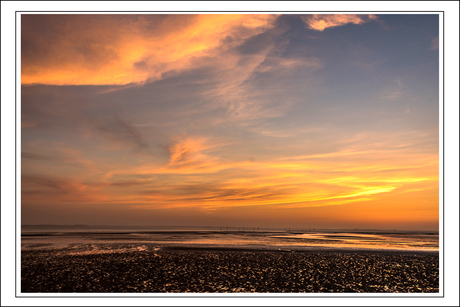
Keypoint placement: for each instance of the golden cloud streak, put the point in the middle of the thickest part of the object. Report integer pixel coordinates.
(132, 53)
(320, 22)
(194, 178)
(281, 182)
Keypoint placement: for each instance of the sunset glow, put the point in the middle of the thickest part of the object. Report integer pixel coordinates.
(312, 121)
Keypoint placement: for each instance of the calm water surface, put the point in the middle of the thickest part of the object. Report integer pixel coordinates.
(102, 239)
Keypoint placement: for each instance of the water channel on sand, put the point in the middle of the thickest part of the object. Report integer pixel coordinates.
(166, 259)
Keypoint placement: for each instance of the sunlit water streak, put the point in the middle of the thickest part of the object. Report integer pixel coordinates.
(107, 239)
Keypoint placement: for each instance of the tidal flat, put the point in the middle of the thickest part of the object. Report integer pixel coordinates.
(195, 270)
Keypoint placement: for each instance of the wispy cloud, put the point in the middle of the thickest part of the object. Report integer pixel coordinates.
(434, 44)
(334, 178)
(320, 22)
(276, 64)
(395, 90)
(34, 156)
(58, 156)
(196, 178)
(122, 49)
(117, 129)
(53, 185)
(187, 151)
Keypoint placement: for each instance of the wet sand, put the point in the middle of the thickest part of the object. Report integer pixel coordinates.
(228, 271)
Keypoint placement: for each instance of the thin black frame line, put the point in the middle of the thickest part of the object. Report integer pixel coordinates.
(244, 297)
(443, 154)
(290, 296)
(224, 11)
(15, 156)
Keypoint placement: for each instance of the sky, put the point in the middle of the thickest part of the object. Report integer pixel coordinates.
(299, 121)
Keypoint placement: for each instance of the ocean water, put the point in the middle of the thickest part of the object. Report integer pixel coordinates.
(107, 239)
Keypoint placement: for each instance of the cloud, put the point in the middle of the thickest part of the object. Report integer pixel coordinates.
(320, 22)
(122, 49)
(289, 65)
(33, 156)
(395, 90)
(118, 129)
(434, 44)
(186, 152)
(198, 176)
(223, 80)
(362, 171)
(51, 156)
(57, 185)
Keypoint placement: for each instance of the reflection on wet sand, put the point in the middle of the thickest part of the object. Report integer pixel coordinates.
(228, 262)
(222, 271)
(237, 239)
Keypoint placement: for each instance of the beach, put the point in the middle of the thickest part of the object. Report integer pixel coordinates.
(128, 268)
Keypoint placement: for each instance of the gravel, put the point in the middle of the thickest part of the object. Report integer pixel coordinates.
(225, 271)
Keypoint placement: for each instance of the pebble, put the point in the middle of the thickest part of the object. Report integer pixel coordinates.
(182, 271)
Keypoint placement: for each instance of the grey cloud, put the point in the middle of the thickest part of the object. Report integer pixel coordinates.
(141, 65)
(217, 192)
(119, 129)
(82, 37)
(259, 44)
(61, 157)
(59, 185)
(33, 156)
(53, 106)
(127, 184)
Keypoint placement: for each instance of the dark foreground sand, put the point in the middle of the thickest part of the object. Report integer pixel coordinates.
(229, 271)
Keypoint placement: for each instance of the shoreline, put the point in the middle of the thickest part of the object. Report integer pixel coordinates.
(131, 247)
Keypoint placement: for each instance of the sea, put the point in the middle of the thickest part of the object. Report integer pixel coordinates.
(86, 239)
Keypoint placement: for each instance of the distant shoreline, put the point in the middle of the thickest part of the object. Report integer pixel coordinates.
(293, 230)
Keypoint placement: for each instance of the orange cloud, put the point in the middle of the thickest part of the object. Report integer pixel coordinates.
(123, 49)
(320, 22)
(201, 180)
(195, 179)
(371, 174)
(187, 152)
